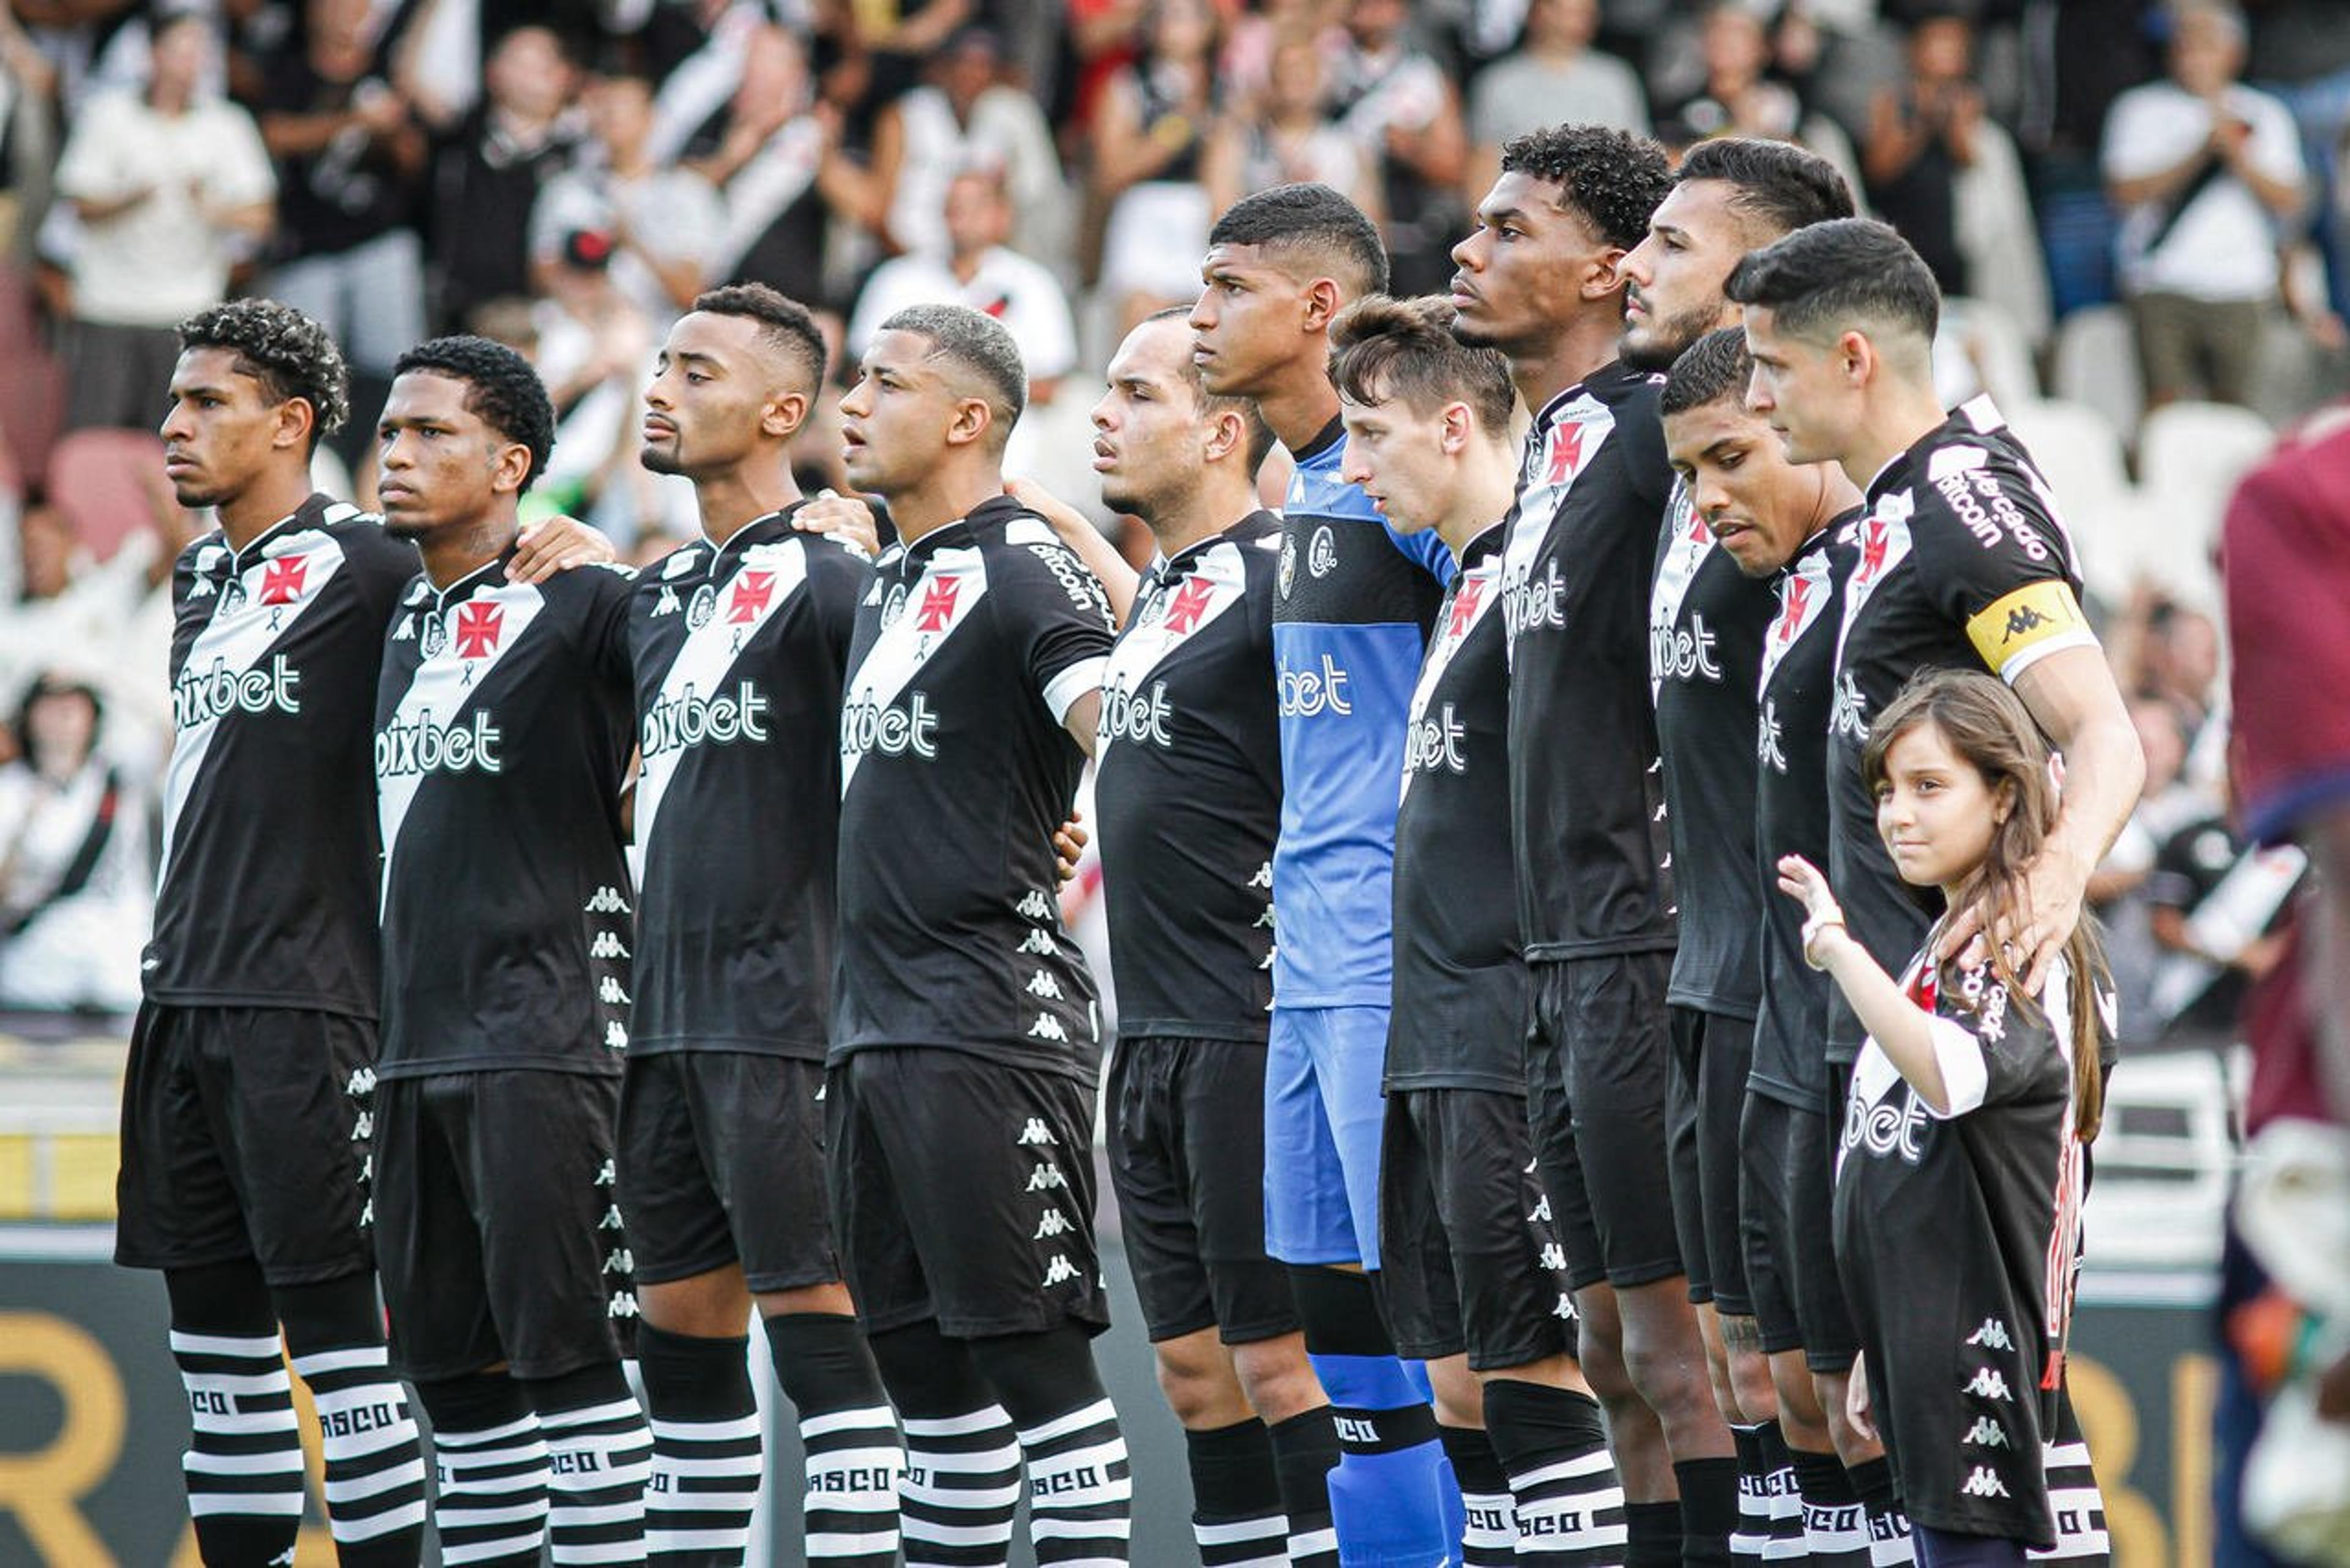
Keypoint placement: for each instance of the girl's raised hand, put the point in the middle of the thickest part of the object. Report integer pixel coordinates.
(1801, 880)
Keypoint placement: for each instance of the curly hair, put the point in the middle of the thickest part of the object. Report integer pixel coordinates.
(1315, 224)
(289, 354)
(1613, 178)
(501, 389)
(783, 321)
(1403, 350)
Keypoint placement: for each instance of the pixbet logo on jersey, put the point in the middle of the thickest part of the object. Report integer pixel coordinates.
(869, 726)
(1683, 652)
(690, 718)
(1433, 742)
(1311, 691)
(421, 746)
(201, 696)
(1127, 715)
(1533, 604)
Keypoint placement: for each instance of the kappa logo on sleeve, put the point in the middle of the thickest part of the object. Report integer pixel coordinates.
(2035, 619)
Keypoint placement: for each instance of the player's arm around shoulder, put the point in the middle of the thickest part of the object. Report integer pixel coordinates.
(1059, 615)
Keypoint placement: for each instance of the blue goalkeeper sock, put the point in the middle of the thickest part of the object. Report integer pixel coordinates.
(1392, 1497)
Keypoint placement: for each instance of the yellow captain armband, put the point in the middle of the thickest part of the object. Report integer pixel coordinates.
(2023, 627)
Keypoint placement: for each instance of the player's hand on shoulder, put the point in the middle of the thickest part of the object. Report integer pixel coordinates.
(557, 544)
(843, 517)
(1069, 842)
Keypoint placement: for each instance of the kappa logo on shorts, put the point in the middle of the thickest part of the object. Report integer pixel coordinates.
(362, 1082)
(1982, 1482)
(1992, 1335)
(1042, 983)
(622, 1305)
(620, 1260)
(367, 1213)
(1542, 1211)
(1046, 1178)
(1037, 942)
(1563, 1308)
(1263, 880)
(606, 1174)
(1048, 1027)
(1036, 1133)
(1986, 1433)
(1553, 1257)
(1988, 1383)
(611, 1219)
(611, 995)
(615, 1036)
(607, 901)
(1058, 1270)
(1034, 907)
(363, 1126)
(607, 945)
(1053, 1223)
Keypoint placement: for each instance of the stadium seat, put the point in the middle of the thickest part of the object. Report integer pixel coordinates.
(2081, 455)
(2190, 456)
(1988, 336)
(2096, 364)
(33, 392)
(103, 480)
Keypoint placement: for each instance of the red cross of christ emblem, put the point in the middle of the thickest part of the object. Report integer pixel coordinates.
(938, 604)
(282, 583)
(1566, 453)
(477, 629)
(1190, 603)
(1791, 618)
(752, 592)
(1874, 539)
(1464, 607)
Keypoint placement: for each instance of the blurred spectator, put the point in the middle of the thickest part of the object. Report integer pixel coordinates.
(1286, 135)
(1554, 74)
(2300, 54)
(489, 168)
(962, 117)
(2117, 892)
(1398, 102)
(773, 152)
(2218, 907)
(1740, 95)
(1149, 147)
(350, 162)
(75, 883)
(1922, 137)
(2204, 167)
(28, 85)
(656, 227)
(164, 185)
(976, 269)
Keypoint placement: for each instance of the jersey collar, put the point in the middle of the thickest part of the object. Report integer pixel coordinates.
(758, 531)
(300, 520)
(489, 571)
(1323, 439)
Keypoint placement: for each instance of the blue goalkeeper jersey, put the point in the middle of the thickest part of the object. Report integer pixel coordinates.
(1352, 603)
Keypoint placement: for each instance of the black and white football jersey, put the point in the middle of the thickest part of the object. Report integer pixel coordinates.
(1960, 563)
(1460, 1014)
(740, 651)
(267, 894)
(1586, 790)
(971, 645)
(1187, 786)
(503, 727)
(1706, 620)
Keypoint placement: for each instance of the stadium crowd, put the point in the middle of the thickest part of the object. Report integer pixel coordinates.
(566, 186)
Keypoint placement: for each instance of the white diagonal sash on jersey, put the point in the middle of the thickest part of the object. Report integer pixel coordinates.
(889, 665)
(1217, 582)
(1557, 453)
(1692, 542)
(230, 646)
(1482, 587)
(703, 661)
(444, 688)
(1803, 595)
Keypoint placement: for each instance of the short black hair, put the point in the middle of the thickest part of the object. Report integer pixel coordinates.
(1403, 350)
(978, 342)
(1260, 435)
(1837, 276)
(289, 354)
(1777, 185)
(1310, 220)
(501, 389)
(783, 321)
(1715, 368)
(1613, 178)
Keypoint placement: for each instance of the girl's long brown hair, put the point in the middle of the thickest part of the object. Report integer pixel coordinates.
(1988, 726)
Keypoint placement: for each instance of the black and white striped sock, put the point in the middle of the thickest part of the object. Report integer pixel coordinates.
(2072, 1495)
(1080, 1489)
(850, 1509)
(1782, 1500)
(244, 1463)
(375, 1461)
(599, 1457)
(1835, 1524)
(961, 1489)
(1753, 1532)
(706, 1457)
(1489, 1530)
(1236, 1516)
(1889, 1525)
(1305, 1453)
(489, 1504)
(1554, 1448)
